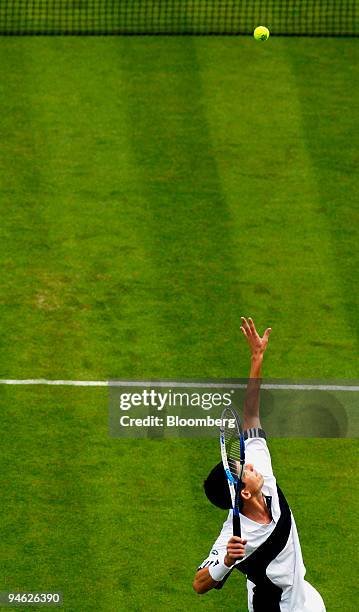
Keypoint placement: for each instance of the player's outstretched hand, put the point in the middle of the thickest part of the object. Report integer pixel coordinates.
(257, 344)
(235, 550)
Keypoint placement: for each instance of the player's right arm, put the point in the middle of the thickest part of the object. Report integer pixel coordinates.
(204, 580)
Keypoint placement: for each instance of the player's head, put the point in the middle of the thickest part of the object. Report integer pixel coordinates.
(216, 488)
(217, 491)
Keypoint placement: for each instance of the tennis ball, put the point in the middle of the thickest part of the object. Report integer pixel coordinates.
(261, 33)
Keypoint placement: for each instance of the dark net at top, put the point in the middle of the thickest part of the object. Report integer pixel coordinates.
(282, 17)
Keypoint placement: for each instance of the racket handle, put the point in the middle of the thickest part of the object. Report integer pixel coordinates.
(236, 526)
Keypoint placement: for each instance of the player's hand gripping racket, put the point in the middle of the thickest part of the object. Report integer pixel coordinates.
(233, 458)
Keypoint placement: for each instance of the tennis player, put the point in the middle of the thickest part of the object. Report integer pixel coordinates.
(269, 552)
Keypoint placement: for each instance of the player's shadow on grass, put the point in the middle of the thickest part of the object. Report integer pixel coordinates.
(314, 414)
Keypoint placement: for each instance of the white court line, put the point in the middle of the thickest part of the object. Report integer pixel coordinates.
(44, 381)
(132, 383)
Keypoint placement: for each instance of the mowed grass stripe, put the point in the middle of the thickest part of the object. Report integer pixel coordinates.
(59, 517)
(78, 293)
(189, 241)
(332, 139)
(289, 274)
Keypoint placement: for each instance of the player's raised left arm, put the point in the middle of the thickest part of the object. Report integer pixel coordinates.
(257, 346)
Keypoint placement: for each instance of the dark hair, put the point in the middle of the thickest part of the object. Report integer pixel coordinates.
(217, 490)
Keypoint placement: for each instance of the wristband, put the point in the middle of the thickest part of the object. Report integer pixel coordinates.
(219, 571)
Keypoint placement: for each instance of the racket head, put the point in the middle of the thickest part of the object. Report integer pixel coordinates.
(233, 459)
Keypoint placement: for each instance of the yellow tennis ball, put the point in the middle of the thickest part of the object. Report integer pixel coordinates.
(261, 33)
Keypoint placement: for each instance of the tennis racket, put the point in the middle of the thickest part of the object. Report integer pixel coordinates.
(233, 458)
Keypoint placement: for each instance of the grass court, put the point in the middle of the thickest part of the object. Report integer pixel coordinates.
(152, 191)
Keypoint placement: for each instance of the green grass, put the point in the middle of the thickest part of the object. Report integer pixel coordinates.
(152, 191)
(93, 517)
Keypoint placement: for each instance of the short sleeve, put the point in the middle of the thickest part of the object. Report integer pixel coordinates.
(257, 452)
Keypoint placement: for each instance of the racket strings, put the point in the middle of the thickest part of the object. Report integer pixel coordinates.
(233, 451)
(233, 445)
